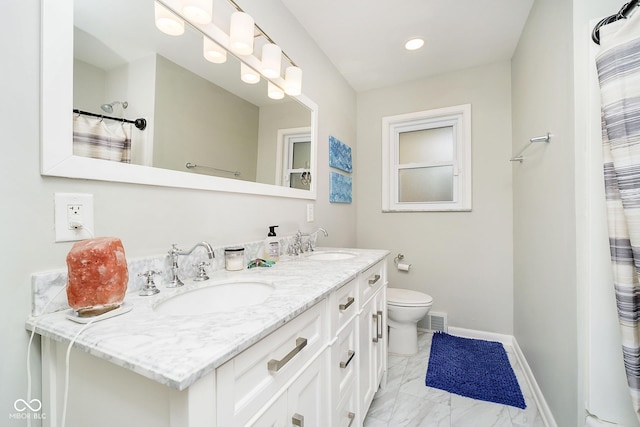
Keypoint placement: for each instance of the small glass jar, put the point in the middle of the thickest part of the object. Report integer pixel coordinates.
(234, 259)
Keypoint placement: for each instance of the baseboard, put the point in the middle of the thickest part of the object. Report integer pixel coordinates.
(541, 403)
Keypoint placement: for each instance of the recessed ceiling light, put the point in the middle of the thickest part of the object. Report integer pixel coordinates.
(413, 44)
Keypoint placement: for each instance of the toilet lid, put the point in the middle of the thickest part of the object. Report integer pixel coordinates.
(406, 297)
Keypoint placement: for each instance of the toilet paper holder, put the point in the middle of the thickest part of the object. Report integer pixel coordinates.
(400, 265)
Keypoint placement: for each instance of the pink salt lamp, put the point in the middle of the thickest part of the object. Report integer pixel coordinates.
(98, 276)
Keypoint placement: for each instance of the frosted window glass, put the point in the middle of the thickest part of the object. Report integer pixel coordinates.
(426, 145)
(434, 184)
(301, 155)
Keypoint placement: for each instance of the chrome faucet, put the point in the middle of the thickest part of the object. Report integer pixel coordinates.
(298, 247)
(175, 281)
(310, 247)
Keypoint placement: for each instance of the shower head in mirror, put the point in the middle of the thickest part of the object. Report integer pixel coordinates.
(108, 108)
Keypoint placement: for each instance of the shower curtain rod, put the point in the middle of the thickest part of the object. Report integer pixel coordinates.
(139, 123)
(625, 12)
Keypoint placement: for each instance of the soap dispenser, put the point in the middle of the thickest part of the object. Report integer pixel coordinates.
(272, 245)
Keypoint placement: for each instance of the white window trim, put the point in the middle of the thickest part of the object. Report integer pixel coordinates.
(460, 118)
(285, 139)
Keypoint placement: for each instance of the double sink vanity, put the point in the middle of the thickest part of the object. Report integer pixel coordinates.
(300, 343)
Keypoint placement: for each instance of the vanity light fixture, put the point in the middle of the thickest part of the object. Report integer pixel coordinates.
(248, 74)
(271, 60)
(198, 11)
(167, 21)
(241, 33)
(274, 92)
(414, 43)
(293, 81)
(213, 52)
(171, 16)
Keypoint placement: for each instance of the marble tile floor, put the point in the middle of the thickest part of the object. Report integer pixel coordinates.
(407, 402)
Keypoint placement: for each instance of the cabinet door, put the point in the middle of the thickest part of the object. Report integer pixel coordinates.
(275, 415)
(303, 404)
(380, 359)
(307, 398)
(372, 348)
(368, 337)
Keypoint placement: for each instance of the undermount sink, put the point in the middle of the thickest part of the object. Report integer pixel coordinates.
(216, 298)
(331, 255)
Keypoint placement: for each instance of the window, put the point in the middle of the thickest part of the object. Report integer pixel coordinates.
(295, 148)
(426, 160)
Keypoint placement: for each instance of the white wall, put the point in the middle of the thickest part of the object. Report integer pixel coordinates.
(147, 219)
(545, 296)
(88, 83)
(462, 259)
(197, 121)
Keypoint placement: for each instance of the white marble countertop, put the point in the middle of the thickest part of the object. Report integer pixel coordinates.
(178, 350)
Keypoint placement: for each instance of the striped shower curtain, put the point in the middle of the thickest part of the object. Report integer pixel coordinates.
(101, 138)
(618, 67)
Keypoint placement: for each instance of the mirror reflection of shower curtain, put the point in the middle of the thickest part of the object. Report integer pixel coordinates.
(618, 67)
(101, 138)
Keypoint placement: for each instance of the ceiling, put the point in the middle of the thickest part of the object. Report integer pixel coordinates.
(364, 38)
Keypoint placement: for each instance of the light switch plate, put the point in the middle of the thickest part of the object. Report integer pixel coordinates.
(73, 216)
(310, 212)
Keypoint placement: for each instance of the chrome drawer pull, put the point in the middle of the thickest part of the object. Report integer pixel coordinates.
(375, 335)
(297, 420)
(350, 301)
(350, 355)
(351, 416)
(274, 365)
(374, 280)
(379, 324)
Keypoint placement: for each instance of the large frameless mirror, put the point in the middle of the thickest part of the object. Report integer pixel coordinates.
(149, 108)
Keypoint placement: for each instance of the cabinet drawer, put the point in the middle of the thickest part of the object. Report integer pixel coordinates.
(344, 360)
(247, 381)
(344, 305)
(345, 414)
(371, 280)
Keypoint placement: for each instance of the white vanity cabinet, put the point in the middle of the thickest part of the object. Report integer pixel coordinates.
(321, 368)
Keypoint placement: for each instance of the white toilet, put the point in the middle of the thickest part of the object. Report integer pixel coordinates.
(405, 308)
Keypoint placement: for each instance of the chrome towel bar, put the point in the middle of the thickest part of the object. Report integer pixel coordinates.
(190, 165)
(520, 156)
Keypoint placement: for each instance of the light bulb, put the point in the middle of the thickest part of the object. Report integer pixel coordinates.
(274, 92)
(414, 44)
(167, 22)
(213, 52)
(293, 81)
(241, 33)
(271, 60)
(198, 11)
(248, 74)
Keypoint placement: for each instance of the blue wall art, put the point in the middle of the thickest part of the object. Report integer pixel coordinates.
(340, 188)
(339, 155)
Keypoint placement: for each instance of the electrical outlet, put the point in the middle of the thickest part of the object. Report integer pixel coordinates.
(73, 216)
(310, 212)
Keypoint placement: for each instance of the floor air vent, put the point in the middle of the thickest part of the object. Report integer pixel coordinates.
(437, 321)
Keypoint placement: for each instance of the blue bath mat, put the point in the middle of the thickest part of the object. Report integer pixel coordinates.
(473, 368)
